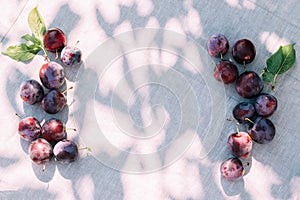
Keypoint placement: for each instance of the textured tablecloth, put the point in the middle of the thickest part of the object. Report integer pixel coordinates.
(146, 102)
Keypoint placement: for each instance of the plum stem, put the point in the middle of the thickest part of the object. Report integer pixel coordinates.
(18, 115)
(72, 129)
(237, 128)
(76, 43)
(247, 164)
(244, 63)
(230, 119)
(249, 120)
(86, 148)
(56, 55)
(46, 58)
(70, 88)
(44, 168)
(214, 64)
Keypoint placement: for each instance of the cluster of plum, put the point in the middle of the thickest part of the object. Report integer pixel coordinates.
(43, 138)
(253, 113)
(51, 74)
(49, 139)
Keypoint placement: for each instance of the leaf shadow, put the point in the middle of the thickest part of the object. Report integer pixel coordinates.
(65, 18)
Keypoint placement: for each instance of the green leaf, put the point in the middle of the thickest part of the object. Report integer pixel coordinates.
(22, 52)
(289, 55)
(280, 62)
(33, 43)
(36, 23)
(267, 77)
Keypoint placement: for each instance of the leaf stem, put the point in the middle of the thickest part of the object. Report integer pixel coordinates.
(273, 84)
(44, 50)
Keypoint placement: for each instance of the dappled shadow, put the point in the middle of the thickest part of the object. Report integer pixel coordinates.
(27, 193)
(110, 28)
(5, 162)
(166, 10)
(88, 176)
(65, 19)
(142, 105)
(135, 110)
(44, 175)
(13, 83)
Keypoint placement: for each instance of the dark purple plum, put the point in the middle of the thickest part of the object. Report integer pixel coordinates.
(265, 104)
(263, 131)
(71, 56)
(31, 92)
(29, 128)
(52, 75)
(249, 84)
(226, 72)
(40, 151)
(240, 144)
(217, 45)
(53, 130)
(232, 169)
(242, 111)
(243, 51)
(65, 151)
(54, 40)
(54, 102)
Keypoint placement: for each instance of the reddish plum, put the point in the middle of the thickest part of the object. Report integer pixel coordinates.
(217, 45)
(232, 169)
(65, 151)
(40, 151)
(240, 144)
(226, 72)
(54, 40)
(243, 51)
(31, 92)
(29, 128)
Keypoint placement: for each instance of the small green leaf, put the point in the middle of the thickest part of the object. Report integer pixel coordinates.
(267, 77)
(22, 52)
(36, 23)
(32, 39)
